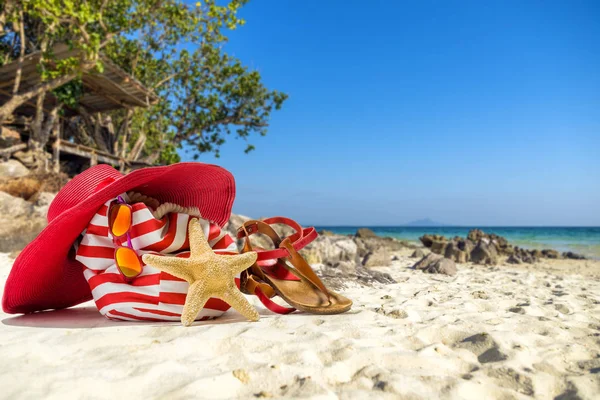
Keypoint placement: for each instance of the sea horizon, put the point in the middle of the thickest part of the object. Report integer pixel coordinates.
(583, 240)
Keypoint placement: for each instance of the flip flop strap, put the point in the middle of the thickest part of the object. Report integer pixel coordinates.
(264, 292)
(301, 268)
(299, 239)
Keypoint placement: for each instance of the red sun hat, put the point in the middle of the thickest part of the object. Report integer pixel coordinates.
(46, 275)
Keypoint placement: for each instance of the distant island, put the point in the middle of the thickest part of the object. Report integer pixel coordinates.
(424, 222)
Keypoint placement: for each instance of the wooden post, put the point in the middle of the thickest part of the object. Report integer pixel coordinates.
(56, 155)
(94, 160)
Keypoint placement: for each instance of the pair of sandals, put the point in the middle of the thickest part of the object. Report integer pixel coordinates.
(285, 273)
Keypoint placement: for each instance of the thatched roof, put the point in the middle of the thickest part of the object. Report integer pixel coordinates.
(109, 90)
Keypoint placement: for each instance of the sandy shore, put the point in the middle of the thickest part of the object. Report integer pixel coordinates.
(490, 332)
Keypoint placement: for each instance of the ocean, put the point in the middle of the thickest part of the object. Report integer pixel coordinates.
(582, 240)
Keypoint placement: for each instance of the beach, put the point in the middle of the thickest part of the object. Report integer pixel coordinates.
(497, 332)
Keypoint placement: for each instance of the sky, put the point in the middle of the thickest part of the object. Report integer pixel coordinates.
(465, 112)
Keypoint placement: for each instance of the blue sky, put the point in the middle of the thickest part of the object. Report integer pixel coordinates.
(467, 112)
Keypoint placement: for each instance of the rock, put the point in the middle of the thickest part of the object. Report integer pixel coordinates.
(526, 256)
(42, 203)
(25, 157)
(12, 169)
(379, 258)
(365, 233)
(418, 253)
(438, 247)
(466, 245)
(14, 207)
(500, 243)
(9, 138)
(514, 259)
(330, 250)
(549, 253)
(435, 264)
(428, 240)
(374, 244)
(475, 235)
(312, 256)
(573, 256)
(484, 253)
(445, 266)
(454, 253)
(20, 222)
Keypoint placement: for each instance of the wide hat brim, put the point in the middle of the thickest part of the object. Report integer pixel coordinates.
(46, 275)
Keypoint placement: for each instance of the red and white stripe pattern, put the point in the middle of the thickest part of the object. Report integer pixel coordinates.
(154, 295)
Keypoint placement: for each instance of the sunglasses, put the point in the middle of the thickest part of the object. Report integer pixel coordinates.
(120, 217)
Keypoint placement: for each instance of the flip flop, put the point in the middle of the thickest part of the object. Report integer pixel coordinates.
(285, 273)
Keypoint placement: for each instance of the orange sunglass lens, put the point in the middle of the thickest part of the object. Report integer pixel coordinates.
(128, 262)
(120, 219)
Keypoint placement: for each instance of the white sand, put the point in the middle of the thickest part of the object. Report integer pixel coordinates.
(399, 341)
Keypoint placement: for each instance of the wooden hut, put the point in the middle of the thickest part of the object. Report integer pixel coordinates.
(110, 90)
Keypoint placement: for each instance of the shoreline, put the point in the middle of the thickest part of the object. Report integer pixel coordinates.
(411, 235)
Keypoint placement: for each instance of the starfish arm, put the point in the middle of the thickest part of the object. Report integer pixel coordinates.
(198, 243)
(239, 262)
(173, 265)
(236, 299)
(195, 300)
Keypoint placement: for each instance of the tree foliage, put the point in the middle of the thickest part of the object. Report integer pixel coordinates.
(174, 48)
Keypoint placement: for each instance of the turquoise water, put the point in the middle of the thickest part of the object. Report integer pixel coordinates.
(581, 240)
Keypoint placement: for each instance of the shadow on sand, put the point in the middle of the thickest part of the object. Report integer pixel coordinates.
(89, 317)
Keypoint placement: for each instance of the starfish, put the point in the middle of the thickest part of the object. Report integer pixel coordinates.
(209, 275)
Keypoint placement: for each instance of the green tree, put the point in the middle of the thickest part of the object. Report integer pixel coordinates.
(174, 48)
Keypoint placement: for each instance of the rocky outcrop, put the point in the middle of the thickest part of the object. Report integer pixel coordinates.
(21, 221)
(418, 253)
(548, 253)
(12, 169)
(524, 256)
(484, 253)
(331, 250)
(483, 248)
(572, 256)
(365, 233)
(455, 253)
(379, 258)
(436, 264)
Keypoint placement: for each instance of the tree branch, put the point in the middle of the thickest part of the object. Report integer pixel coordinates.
(21, 53)
(168, 78)
(16, 101)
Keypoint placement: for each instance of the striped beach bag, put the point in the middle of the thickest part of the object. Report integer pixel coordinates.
(153, 295)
